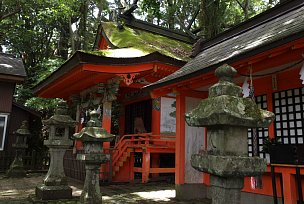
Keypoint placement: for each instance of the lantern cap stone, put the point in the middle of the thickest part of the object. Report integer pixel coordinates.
(225, 73)
(61, 117)
(226, 106)
(24, 129)
(94, 131)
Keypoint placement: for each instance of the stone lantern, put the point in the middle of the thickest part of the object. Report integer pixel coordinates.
(55, 184)
(227, 117)
(17, 169)
(92, 138)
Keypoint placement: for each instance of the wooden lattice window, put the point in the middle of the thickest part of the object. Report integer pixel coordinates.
(289, 111)
(262, 133)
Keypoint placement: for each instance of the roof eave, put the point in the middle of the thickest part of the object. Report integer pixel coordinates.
(65, 67)
(33, 112)
(12, 78)
(81, 58)
(248, 54)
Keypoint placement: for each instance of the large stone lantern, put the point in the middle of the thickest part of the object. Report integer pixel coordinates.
(92, 138)
(227, 117)
(17, 169)
(55, 184)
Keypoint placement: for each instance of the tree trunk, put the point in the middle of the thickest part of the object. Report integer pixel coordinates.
(83, 25)
(72, 38)
(171, 12)
(211, 18)
(63, 43)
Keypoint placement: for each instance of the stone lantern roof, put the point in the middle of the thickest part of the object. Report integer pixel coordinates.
(225, 106)
(94, 131)
(23, 130)
(60, 117)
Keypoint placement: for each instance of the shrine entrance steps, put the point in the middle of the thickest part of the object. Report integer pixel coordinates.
(143, 156)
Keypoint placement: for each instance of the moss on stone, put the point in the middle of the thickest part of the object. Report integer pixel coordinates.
(146, 41)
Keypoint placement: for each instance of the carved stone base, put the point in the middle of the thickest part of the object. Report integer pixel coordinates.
(44, 192)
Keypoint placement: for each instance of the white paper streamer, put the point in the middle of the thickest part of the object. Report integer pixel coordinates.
(302, 74)
(245, 89)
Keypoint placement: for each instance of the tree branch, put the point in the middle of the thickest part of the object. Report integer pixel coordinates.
(239, 3)
(10, 14)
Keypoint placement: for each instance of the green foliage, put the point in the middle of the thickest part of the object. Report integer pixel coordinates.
(46, 33)
(165, 13)
(51, 65)
(215, 15)
(220, 15)
(40, 32)
(45, 106)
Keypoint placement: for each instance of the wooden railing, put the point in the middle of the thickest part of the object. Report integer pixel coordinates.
(142, 140)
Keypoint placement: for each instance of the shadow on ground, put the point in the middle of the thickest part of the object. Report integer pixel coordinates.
(17, 191)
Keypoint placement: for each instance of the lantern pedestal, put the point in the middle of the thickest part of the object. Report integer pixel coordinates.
(55, 184)
(92, 138)
(91, 190)
(44, 192)
(17, 169)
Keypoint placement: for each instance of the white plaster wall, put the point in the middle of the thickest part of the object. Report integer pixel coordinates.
(194, 143)
(167, 122)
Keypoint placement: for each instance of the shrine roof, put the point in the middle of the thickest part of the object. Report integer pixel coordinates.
(145, 41)
(11, 67)
(103, 64)
(276, 27)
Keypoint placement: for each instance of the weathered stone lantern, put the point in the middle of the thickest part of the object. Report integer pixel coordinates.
(92, 138)
(227, 117)
(55, 185)
(17, 169)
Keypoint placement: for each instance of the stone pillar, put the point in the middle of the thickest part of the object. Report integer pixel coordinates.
(227, 117)
(55, 185)
(93, 136)
(17, 169)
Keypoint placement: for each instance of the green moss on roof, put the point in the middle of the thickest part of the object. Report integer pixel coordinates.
(146, 42)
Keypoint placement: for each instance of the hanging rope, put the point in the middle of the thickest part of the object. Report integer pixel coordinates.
(254, 130)
(274, 72)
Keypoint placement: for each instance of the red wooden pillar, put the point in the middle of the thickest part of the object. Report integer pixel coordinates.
(289, 184)
(156, 116)
(270, 108)
(106, 120)
(155, 131)
(206, 176)
(131, 175)
(106, 124)
(145, 167)
(180, 139)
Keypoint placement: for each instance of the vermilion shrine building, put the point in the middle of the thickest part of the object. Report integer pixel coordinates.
(268, 48)
(126, 59)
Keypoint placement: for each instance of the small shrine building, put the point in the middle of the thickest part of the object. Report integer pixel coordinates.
(128, 56)
(268, 53)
